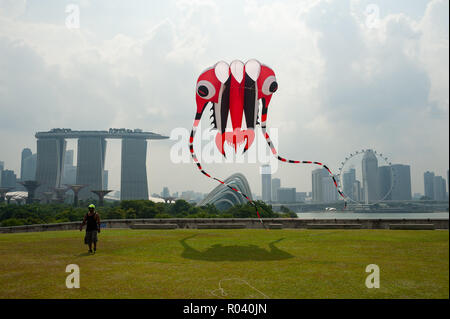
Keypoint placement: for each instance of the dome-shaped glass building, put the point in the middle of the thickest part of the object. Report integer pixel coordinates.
(223, 197)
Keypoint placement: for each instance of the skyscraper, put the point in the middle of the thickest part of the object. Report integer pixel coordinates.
(348, 178)
(91, 152)
(329, 192)
(70, 171)
(401, 189)
(29, 168)
(105, 179)
(323, 188)
(9, 179)
(428, 181)
(49, 167)
(2, 166)
(276, 184)
(165, 192)
(370, 176)
(440, 190)
(357, 192)
(90, 164)
(133, 183)
(26, 152)
(385, 182)
(317, 185)
(444, 189)
(448, 181)
(68, 158)
(266, 180)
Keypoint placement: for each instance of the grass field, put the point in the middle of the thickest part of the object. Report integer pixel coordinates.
(227, 264)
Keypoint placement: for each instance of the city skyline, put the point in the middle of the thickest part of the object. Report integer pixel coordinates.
(141, 72)
(28, 163)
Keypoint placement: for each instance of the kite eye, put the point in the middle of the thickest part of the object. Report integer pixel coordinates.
(270, 85)
(205, 89)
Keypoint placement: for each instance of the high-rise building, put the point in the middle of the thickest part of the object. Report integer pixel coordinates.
(357, 192)
(2, 166)
(266, 180)
(370, 176)
(329, 191)
(105, 179)
(401, 189)
(70, 171)
(26, 152)
(317, 185)
(165, 192)
(29, 168)
(323, 188)
(68, 158)
(428, 181)
(9, 179)
(70, 175)
(90, 164)
(444, 189)
(91, 151)
(286, 195)
(440, 190)
(385, 174)
(49, 166)
(348, 178)
(276, 184)
(133, 184)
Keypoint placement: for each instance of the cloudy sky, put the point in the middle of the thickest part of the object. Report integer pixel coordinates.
(352, 75)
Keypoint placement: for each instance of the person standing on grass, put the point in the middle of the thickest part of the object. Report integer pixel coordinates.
(92, 219)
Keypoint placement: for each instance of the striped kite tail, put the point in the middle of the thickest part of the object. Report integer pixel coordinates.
(282, 159)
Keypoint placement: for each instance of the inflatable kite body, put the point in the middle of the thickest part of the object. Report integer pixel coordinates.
(235, 91)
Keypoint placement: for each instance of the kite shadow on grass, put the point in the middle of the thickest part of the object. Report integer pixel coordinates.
(219, 252)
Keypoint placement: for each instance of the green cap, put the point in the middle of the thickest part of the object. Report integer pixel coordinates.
(91, 206)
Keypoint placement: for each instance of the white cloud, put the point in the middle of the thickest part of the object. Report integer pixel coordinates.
(12, 8)
(434, 49)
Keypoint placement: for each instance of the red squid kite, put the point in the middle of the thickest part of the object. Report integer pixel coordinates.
(235, 91)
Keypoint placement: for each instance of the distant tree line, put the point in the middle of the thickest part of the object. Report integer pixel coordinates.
(16, 215)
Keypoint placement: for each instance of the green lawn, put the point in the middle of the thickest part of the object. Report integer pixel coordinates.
(227, 264)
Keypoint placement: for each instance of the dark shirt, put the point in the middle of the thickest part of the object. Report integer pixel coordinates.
(91, 222)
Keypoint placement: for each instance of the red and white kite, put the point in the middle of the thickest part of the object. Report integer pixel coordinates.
(235, 91)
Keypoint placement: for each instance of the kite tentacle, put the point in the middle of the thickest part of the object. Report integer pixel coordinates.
(282, 159)
(199, 166)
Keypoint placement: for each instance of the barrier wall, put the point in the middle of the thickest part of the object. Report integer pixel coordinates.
(193, 223)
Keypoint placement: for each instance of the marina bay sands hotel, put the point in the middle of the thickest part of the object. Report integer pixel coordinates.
(91, 150)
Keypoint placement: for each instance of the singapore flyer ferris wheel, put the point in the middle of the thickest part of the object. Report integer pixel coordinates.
(366, 177)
